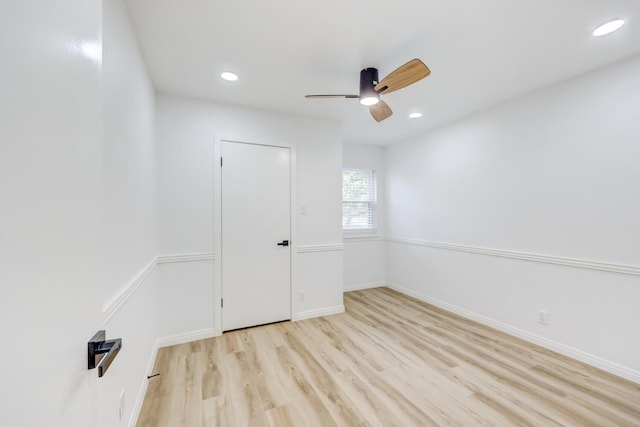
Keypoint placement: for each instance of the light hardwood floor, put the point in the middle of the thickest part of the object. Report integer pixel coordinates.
(390, 360)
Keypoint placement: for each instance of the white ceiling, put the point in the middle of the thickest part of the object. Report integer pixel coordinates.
(480, 52)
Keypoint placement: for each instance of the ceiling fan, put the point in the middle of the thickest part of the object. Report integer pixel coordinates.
(371, 89)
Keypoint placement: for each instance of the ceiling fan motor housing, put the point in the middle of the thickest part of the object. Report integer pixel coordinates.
(369, 96)
(368, 82)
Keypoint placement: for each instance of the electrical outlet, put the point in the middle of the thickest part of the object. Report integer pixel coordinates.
(543, 317)
(121, 406)
(301, 296)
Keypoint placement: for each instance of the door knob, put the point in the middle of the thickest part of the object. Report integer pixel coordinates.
(284, 243)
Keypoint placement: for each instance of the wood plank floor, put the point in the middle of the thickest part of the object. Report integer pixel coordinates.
(390, 360)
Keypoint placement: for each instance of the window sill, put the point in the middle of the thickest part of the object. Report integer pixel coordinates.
(361, 237)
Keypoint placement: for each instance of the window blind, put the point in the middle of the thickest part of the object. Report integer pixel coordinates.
(358, 199)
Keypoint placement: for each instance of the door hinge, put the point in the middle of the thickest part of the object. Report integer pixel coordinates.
(221, 302)
(220, 161)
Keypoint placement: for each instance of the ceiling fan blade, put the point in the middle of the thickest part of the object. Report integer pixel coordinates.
(380, 111)
(331, 96)
(403, 76)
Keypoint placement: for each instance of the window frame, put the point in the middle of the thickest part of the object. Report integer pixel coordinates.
(372, 202)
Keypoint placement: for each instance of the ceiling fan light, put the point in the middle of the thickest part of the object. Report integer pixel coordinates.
(369, 100)
(608, 28)
(368, 81)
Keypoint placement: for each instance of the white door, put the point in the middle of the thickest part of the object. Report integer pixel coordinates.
(256, 226)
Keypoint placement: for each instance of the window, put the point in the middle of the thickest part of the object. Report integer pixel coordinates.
(358, 200)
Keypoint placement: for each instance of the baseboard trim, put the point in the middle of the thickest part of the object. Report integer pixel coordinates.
(137, 406)
(547, 259)
(160, 343)
(121, 298)
(326, 311)
(360, 286)
(582, 356)
(188, 337)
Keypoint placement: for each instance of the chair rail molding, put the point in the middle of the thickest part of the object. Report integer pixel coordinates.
(547, 259)
(330, 247)
(112, 306)
(360, 238)
(197, 256)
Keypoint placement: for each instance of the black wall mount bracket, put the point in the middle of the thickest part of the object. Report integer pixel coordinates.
(97, 345)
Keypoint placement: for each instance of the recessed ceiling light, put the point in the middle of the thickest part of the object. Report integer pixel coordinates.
(415, 115)
(229, 76)
(608, 28)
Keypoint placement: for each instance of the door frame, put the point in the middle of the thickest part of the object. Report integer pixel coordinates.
(217, 223)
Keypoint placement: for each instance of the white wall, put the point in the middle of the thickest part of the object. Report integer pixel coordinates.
(77, 211)
(364, 255)
(553, 173)
(49, 219)
(551, 176)
(129, 296)
(186, 130)
(128, 154)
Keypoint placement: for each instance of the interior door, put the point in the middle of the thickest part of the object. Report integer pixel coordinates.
(256, 226)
